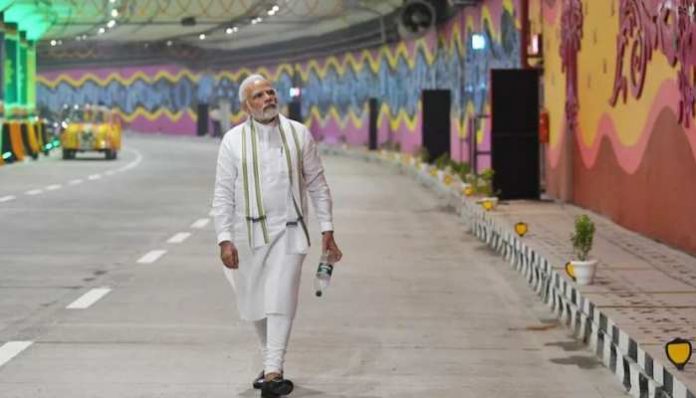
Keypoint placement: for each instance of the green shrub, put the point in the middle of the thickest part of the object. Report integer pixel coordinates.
(461, 169)
(484, 183)
(582, 237)
(442, 161)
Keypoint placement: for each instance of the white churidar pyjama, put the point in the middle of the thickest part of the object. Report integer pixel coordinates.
(274, 334)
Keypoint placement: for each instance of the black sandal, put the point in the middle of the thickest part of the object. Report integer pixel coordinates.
(258, 382)
(276, 387)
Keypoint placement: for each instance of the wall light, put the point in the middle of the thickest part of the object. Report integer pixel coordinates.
(678, 352)
(570, 270)
(478, 41)
(521, 228)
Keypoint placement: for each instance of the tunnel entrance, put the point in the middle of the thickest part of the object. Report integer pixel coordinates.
(436, 122)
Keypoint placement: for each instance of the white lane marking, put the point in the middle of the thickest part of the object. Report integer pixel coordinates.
(10, 349)
(200, 223)
(94, 177)
(89, 298)
(151, 257)
(34, 192)
(180, 237)
(133, 164)
(53, 187)
(7, 198)
(75, 182)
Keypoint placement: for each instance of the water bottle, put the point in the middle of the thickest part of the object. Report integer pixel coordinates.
(323, 277)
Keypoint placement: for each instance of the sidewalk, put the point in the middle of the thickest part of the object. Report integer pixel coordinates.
(643, 296)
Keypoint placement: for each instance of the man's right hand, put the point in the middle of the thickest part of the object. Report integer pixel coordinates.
(229, 255)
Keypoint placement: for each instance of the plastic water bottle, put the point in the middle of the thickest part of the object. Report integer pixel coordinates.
(323, 277)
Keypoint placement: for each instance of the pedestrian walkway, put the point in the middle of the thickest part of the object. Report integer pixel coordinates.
(644, 293)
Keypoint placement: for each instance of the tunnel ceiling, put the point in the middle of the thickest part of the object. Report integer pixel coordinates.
(226, 24)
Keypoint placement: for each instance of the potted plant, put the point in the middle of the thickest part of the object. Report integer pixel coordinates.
(484, 187)
(441, 164)
(583, 268)
(468, 187)
(421, 158)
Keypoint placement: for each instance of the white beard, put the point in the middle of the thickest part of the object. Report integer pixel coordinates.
(266, 114)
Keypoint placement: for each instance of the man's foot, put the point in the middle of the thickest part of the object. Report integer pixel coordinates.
(258, 382)
(275, 385)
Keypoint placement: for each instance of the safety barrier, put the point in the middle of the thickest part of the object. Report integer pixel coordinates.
(19, 139)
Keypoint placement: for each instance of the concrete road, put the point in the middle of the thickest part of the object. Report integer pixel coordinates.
(417, 308)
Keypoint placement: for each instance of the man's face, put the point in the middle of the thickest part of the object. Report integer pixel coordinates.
(261, 101)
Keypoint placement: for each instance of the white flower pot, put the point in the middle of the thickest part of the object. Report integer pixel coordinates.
(493, 200)
(584, 271)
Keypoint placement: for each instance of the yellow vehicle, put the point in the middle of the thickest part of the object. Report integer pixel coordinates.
(92, 129)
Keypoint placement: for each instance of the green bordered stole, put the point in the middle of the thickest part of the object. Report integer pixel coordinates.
(255, 214)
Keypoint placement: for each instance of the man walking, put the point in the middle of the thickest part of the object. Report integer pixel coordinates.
(267, 166)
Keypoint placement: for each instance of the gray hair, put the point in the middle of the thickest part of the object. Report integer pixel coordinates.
(245, 83)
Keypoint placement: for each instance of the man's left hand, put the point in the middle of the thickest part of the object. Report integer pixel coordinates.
(328, 245)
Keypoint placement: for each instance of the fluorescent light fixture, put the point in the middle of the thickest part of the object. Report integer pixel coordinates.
(478, 41)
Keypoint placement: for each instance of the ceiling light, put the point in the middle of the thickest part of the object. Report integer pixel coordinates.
(101, 30)
(111, 24)
(202, 36)
(114, 13)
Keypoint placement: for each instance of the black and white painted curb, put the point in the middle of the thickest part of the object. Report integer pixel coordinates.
(640, 374)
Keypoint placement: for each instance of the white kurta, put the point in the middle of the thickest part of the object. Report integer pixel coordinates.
(268, 276)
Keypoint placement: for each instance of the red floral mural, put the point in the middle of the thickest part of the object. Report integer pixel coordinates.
(571, 24)
(646, 26)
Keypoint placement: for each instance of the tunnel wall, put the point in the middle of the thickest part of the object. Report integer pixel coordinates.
(619, 88)
(335, 89)
(618, 85)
